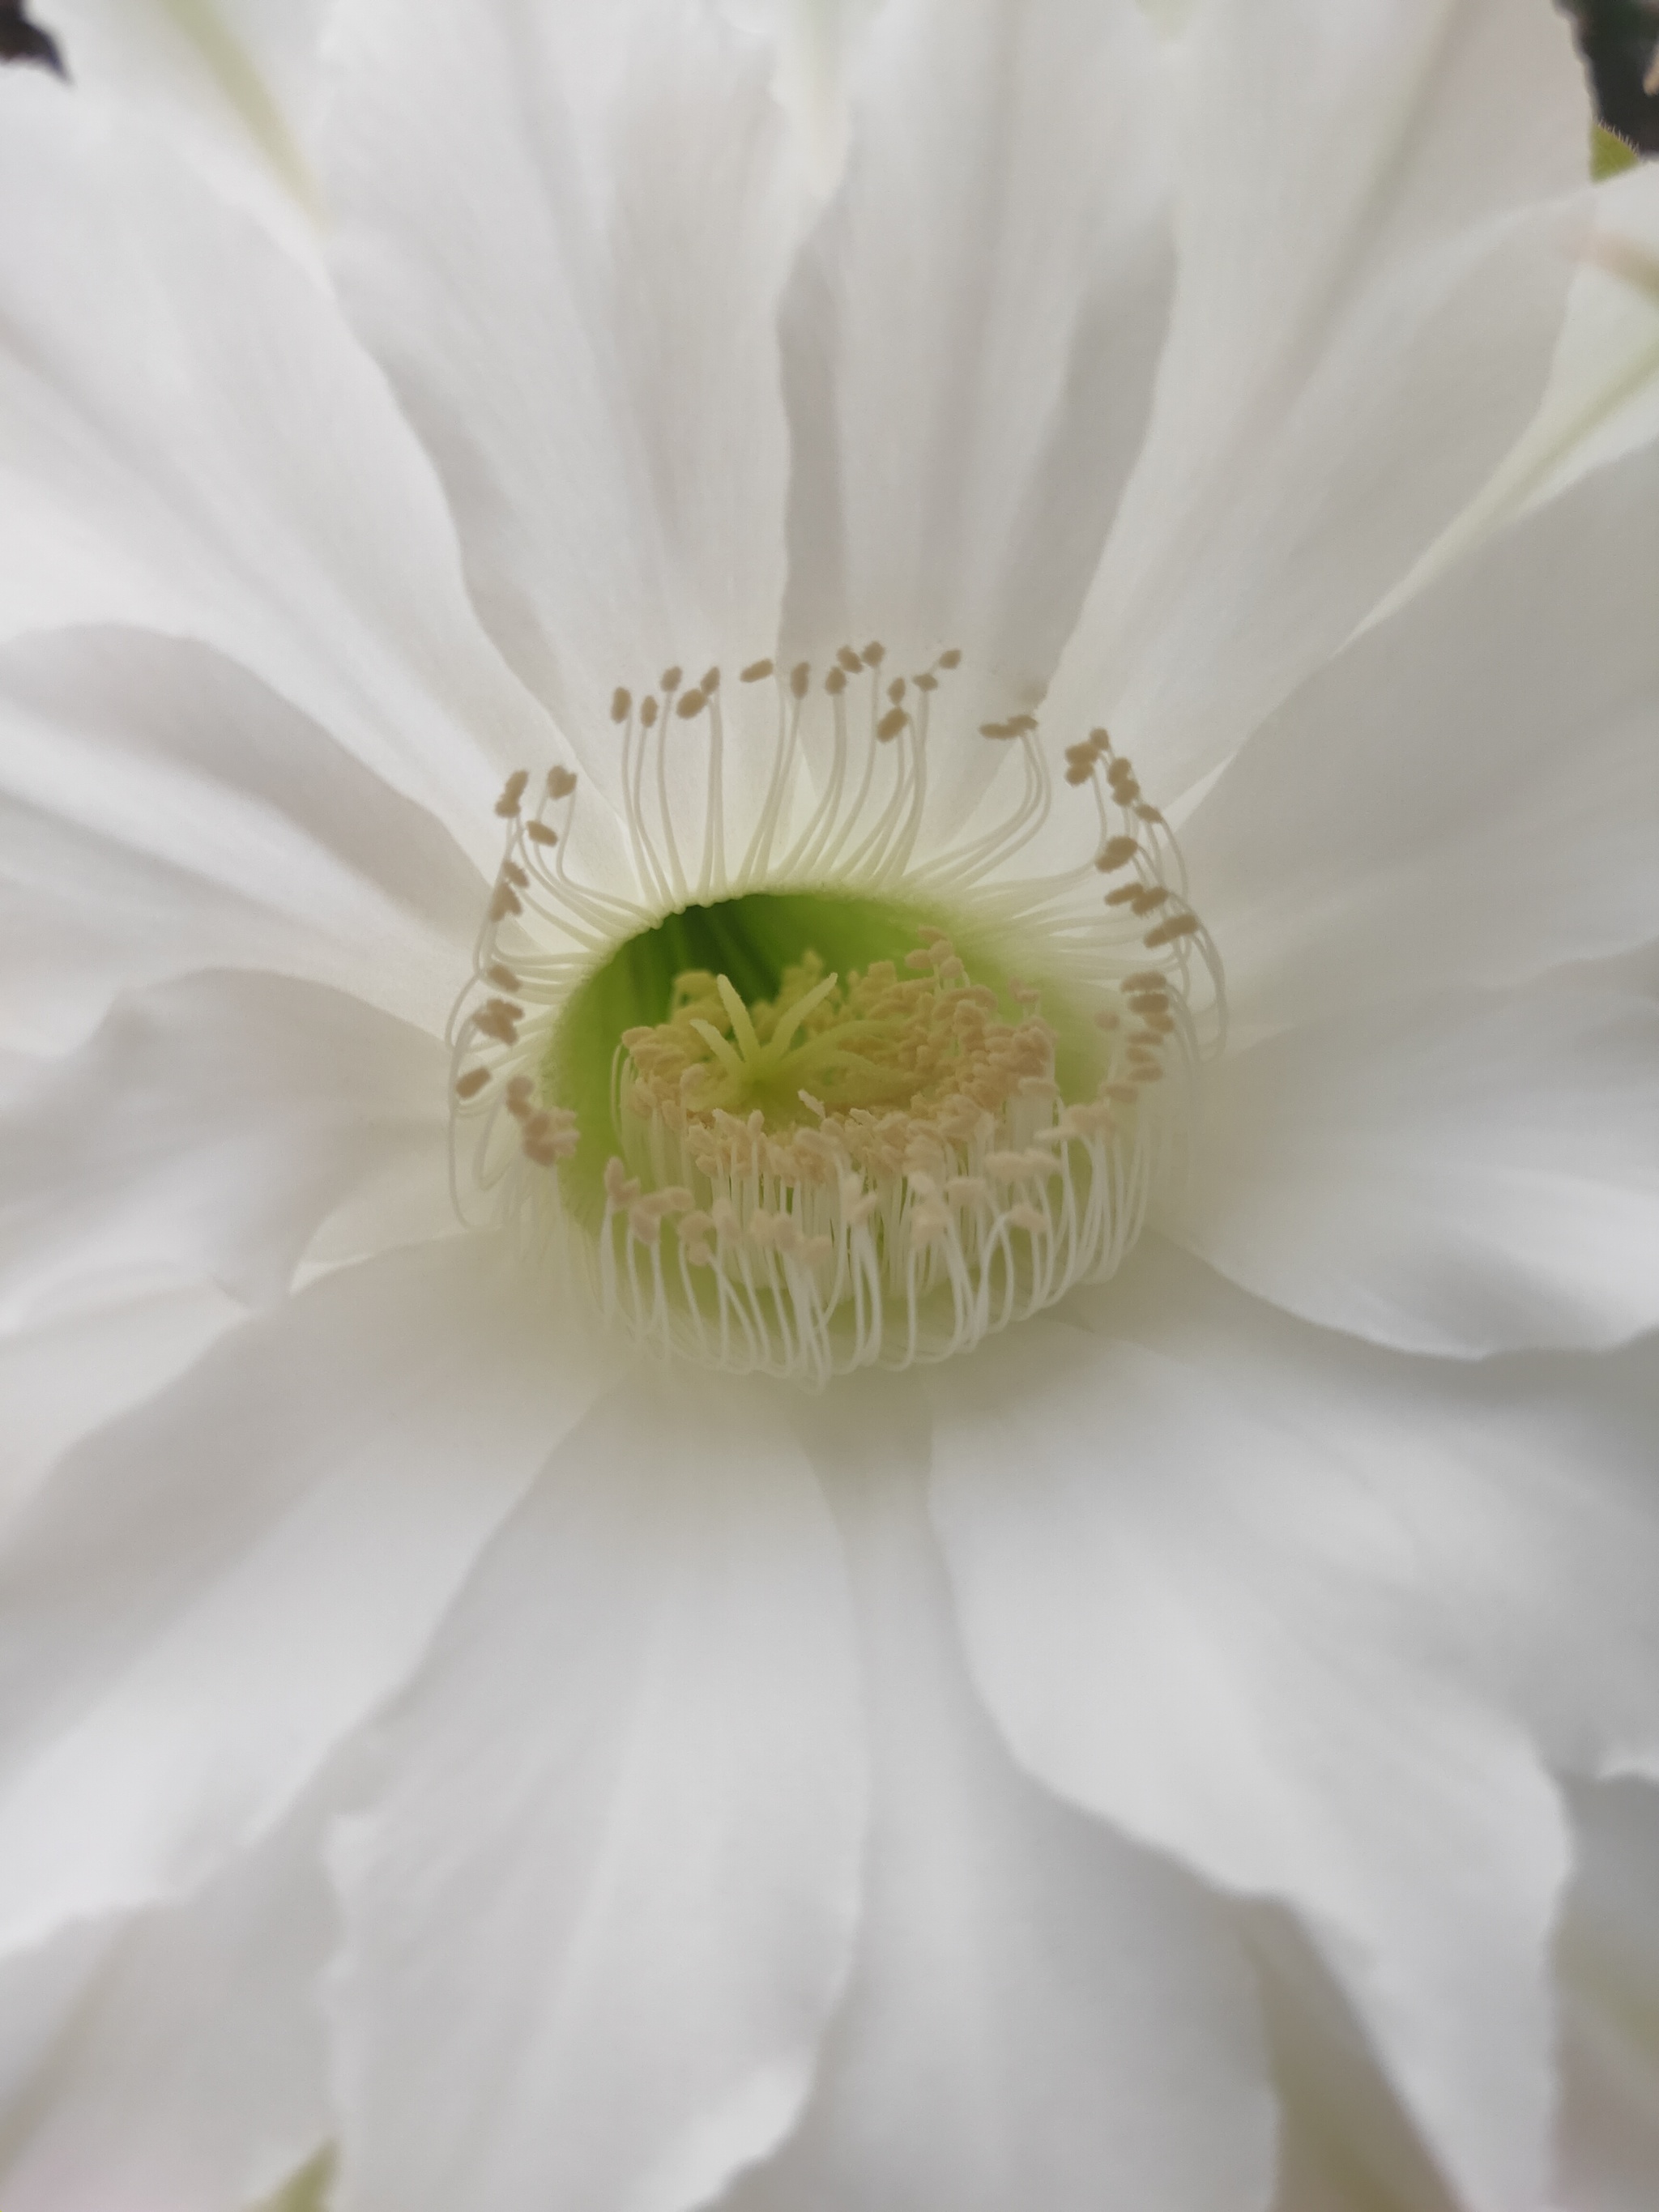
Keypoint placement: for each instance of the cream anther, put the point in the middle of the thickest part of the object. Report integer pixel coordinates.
(877, 1164)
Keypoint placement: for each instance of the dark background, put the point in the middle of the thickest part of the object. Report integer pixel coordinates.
(1618, 38)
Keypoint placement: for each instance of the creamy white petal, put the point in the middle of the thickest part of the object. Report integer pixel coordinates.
(161, 810)
(1470, 1173)
(191, 442)
(1189, 1619)
(174, 2058)
(563, 230)
(1376, 231)
(214, 1592)
(817, 45)
(68, 1371)
(1522, 1485)
(208, 1127)
(1039, 2013)
(972, 334)
(1602, 399)
(604, 1902)
(230, 83)
(1524, 1489)
(1345, 2144)
(1609, 1971)
(1470, 792)
(1527, 1484)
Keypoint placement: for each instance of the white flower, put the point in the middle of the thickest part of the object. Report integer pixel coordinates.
(458, 1717)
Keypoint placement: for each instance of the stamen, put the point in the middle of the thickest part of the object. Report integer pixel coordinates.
(867, 1164)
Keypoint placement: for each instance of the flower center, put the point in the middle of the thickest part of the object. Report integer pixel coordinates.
(846, 1101)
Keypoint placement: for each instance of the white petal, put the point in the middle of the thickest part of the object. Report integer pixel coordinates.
(231, 83)
(1188, 1620)
(1609, 1969)
(1603, 400)
(1344, 2143)
(211, 1594)
(1524, 1486)
(816, 46)
(208, 1128)
(972, 335)
(1038, 2010)
(174, 2058)
(564, 229)
(1472, 1173)
(190, 440)
(1376, 239)
(68, 1372)
(600, 1911)
(161, 810)
(1469, 792)
(1527, 1485)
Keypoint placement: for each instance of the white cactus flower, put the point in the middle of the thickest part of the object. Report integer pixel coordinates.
(829, 1114)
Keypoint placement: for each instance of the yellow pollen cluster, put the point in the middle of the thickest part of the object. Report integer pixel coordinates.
(868, 1168)
(837, 1087)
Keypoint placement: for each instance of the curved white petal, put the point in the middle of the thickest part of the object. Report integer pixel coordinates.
(972, 334)
(1603, 400)
(1192, 1621)
(1471, 1173)
(563, 230)
(1523, 1484)
(1344, 2143)
(207, 1129)
(193, 442)
(1523, 1488)
(1470, 792)
(602, 1905)
(231, 83)
(213, 1592)
(174, 2058)
(1608, 1962)
(161, 810)
(817, 43)
(1038, 2010)
(69, 1371)
(1527, 1488)
(1380, 210)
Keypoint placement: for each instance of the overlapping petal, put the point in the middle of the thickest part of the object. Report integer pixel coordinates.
(1037, 2010)
(1189, 1618)
(208, 1128)
(172, 2057)
(192, 442)
(1602, 399)
(65, 1373)
(1524, 1487)
(212, 1593)
(231, 83)
(1470, 792)
(1380, 210)
(564, 231)
(1475, 1172)
(1609, 1968)
(972, 333)
(162, 810)
(601, 1907)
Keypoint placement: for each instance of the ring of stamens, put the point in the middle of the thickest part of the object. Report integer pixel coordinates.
(863, 1168)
